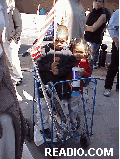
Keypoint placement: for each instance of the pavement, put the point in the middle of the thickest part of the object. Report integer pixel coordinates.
(106, 116)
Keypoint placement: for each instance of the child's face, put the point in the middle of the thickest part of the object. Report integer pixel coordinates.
(62, 37)
(60, 42)
(78, 52)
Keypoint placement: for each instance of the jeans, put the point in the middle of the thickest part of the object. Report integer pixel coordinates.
(95, 53)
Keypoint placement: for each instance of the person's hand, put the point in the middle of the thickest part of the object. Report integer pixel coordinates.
(16, 39)
(54, 68)
(82, 73)
(55, 71)
(89, 28)
(115, 39)
(104, 30)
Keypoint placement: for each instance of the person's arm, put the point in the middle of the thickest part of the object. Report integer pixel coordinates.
(2, 60)
(44, 64)
(116, 40)
(97, 24)
(54, 68)
(1, 67)
(2, 54)
(86, 18)
(113, 28)
(18, 24)
(65, 67)
(88, 72)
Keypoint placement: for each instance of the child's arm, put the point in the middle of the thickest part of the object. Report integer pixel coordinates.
(65, 67)
(54, 68)
(82, 73)
(86, 65)
(88, 72)
(44, 64)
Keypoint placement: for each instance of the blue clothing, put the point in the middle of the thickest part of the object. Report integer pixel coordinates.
(113, 27)
(4, 9)
(95, 53)
(42, 12)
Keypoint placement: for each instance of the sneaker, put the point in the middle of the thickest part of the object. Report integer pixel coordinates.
(107, 92)
(95, 66)
(19, 82)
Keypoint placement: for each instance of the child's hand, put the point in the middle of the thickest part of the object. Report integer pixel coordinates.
(54, 68)
(81, 73)
(54, 65)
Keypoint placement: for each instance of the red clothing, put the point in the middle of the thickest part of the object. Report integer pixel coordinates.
(83, 63)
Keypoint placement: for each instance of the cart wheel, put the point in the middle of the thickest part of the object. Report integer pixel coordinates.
(84, 141)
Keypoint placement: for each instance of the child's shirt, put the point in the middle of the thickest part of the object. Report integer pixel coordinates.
(83, 63)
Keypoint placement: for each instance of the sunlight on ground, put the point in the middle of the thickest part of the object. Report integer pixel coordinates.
(27, 95)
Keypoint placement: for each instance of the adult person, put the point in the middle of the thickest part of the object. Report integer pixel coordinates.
(38, 9)
(87, 11)
(12, 40)
(13, 126)
(72, 15)
(113, 29)
(95, 24)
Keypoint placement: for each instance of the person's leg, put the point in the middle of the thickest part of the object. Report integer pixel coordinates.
(117, 86)
(110, 76)
(74, 104)
(95, 52)
(15, 61)
(112, 70)
(12, 54)
(7, 142)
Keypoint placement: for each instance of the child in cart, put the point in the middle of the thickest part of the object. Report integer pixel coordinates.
(82, 68)
(55, 70)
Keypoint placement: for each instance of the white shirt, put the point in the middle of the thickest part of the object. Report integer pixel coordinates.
(73, 15)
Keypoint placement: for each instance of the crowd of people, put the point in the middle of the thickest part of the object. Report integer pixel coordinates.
(70, 51)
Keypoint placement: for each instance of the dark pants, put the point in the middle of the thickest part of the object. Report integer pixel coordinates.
(113, 69)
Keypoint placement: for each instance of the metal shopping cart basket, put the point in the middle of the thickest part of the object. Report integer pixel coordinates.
(63, 132)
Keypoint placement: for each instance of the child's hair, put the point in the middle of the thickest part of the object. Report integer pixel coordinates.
(81, 43)
(84, 47)
(62, 30)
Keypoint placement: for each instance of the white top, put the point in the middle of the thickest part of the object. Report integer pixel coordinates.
(73, 15)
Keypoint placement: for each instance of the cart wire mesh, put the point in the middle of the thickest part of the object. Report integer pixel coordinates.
(63, 131)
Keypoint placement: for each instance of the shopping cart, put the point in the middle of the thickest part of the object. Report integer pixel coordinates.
(62, 132)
